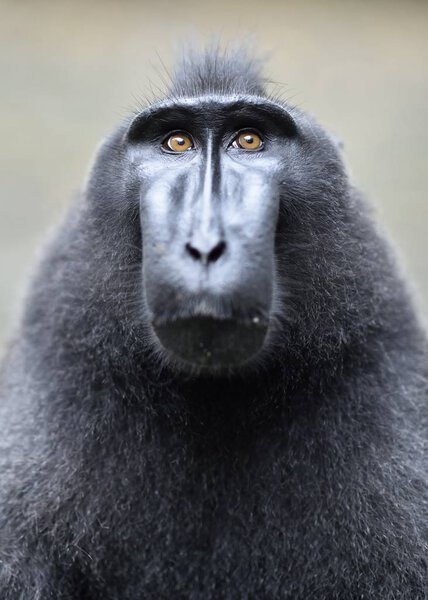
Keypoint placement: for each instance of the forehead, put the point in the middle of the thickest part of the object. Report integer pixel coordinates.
(213, 111)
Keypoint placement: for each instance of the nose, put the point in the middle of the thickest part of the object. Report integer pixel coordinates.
(206, 255)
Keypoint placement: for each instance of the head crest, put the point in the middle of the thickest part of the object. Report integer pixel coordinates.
(213, 70)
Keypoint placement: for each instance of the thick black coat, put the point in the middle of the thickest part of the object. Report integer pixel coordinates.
(304, 477)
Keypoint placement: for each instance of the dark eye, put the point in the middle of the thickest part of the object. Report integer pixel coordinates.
(248, 139)
(179, 141)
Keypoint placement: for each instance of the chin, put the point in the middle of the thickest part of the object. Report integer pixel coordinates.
(206, 343)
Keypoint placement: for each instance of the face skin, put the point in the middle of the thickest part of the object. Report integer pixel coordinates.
(209, 173)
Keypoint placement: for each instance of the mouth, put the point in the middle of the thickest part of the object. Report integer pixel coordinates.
(212, 343)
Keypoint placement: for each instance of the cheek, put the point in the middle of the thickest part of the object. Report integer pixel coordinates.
(166, 203)
(161, 212)
(155, 205)
(251, 212)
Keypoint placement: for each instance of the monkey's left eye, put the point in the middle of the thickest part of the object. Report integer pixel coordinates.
(179, 141)
(248, 139)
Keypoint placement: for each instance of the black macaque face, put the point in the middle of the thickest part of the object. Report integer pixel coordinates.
(209, 172)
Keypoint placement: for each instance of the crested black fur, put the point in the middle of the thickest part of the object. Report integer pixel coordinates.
(217, 71)
(303, 476)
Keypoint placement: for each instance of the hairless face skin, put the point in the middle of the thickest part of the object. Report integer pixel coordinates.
(209, 173)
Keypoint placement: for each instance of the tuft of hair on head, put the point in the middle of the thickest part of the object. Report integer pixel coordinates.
(214, 70)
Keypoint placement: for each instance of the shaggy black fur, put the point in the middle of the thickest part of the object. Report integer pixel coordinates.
(302, 477)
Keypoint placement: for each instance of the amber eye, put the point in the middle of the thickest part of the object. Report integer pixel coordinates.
(248, 140)
(178, 142)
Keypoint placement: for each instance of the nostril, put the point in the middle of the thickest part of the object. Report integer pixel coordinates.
(207, 257)
(216, 252)
(194, 252)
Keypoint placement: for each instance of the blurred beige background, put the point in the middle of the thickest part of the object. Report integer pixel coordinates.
(69, 71)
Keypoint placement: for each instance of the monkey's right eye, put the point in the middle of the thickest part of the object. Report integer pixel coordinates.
(179, 141)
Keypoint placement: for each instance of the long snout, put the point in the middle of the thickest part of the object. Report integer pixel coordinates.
(208, 273)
